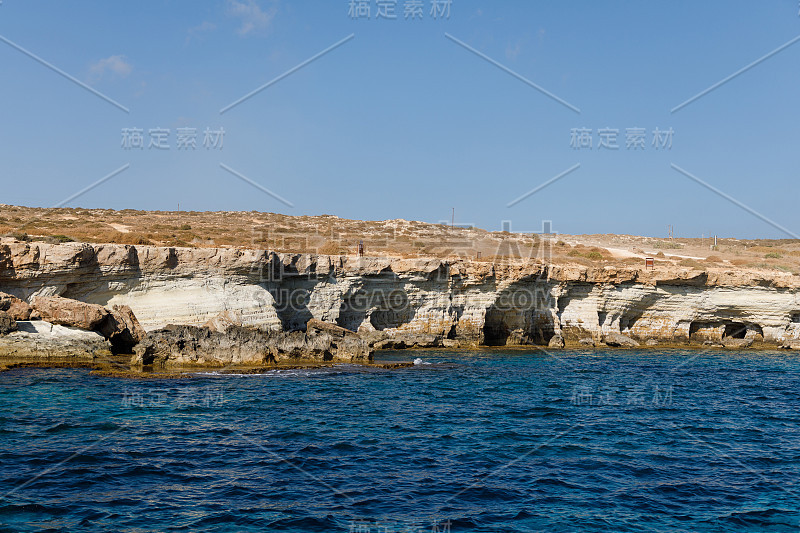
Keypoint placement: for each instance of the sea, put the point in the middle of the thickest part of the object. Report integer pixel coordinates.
(494, 440)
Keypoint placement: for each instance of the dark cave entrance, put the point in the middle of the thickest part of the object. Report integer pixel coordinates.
(735, 330)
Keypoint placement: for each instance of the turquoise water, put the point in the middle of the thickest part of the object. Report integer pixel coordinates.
(494, 441)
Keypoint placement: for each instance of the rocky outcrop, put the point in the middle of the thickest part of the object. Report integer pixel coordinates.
(556, 342)
(119, 325)
(7, 323)
(192, 346)
(618, 340)
(14, 307)
(345, 344)
(122, 328)
(411, 302)
(70, 313)
(42, 341)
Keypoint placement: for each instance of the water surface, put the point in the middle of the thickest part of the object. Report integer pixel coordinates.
(494, 441)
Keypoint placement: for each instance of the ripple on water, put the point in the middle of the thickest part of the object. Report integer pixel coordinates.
(486, 440)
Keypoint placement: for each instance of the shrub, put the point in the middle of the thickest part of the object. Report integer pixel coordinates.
(20, 236)
(773, 255)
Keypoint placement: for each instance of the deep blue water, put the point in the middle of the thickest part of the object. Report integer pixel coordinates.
(494, 441)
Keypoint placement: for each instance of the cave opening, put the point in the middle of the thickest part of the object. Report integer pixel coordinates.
(393, 311)
(495, 331)
(453, 332)
(735, 330)
(795, 318)
(351, 314)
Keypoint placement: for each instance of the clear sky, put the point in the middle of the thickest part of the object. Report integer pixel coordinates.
(402, 121)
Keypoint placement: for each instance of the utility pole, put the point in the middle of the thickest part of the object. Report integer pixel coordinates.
(671, 236)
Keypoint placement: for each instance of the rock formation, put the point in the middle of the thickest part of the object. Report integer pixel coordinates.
(14, 307)
(192, 346)
(407, 302)
(7, 323)
(42, 341)
(119, 325)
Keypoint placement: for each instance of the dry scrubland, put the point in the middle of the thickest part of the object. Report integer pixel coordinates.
(332, 235)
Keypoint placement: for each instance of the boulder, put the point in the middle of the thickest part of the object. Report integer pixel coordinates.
(792, 344)
(122, 328)
(618, 340)
(736, 344)
(119, 325)
(7, 324)
(651, 342)
(70, 313)
(15, 308)
(345, 344)
(586, 341)
(556, 342)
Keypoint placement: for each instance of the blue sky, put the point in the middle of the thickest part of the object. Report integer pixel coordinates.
(402, 122)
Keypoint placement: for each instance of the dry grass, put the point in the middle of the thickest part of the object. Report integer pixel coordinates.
(396, 238)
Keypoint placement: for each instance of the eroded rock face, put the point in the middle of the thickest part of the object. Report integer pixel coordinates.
(122, 329)
(556, 342)
(410, 301)
(7, 324)
(192, 346)
(345, 344)
(14, 307)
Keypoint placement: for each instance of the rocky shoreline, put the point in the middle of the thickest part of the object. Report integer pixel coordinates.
(173, 308)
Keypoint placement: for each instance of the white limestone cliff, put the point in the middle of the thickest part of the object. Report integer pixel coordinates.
(466, 302)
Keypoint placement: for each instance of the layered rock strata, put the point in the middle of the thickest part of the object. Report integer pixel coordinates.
(412, 302)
